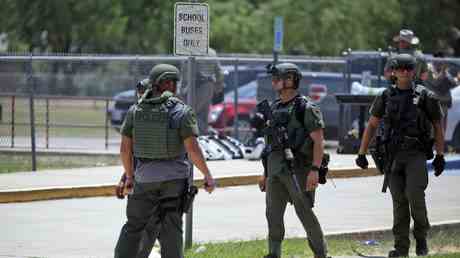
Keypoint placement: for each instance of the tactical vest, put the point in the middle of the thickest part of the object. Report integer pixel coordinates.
(156, 133)
(289, 116)
(404, 114)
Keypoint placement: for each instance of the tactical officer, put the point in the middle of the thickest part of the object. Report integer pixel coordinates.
(148, 236)
(408, 111)
(158, 133)
(294, 136)
(407, 44)
(441, 82)
(209, 84)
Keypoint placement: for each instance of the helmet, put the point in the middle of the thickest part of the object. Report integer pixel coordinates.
(162, 72)
(283, 69)
(403, 60)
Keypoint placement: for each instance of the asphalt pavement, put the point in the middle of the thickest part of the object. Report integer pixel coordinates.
(89, 227)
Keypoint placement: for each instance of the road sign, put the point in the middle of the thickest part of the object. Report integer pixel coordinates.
(191, 29)
(278, 31)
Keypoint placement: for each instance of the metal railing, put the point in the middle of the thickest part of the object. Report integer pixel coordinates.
(15, 117)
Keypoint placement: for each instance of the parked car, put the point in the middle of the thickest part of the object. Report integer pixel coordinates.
(452, 135)
(122, 102)
(223, 115)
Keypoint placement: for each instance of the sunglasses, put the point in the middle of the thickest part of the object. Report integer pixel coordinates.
(283, 77)
(405, 67)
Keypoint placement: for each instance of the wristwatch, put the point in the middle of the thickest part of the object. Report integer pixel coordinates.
(314, 168)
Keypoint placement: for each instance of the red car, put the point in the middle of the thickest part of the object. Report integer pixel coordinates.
(222, 116)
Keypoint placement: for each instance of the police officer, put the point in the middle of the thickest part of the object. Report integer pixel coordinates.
(407, 43)
(209, 84)
(408, 111)
(292, 178)
(158, 133)
(148, 236)
(441, 82)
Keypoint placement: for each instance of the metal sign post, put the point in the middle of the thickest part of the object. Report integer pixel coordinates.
(191, 38)
(278, 38)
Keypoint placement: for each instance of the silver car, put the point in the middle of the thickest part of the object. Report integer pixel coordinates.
(453, 121)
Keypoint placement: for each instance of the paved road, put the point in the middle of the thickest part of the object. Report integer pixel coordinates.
(89, 227)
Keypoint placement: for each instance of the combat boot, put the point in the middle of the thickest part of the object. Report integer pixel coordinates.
(421, 247)
(271, 256)
(396, 254)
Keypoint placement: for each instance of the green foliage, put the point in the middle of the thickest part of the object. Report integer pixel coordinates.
(323, 27)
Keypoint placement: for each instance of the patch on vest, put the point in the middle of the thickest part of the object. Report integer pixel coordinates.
(316, 113)
(156, 117)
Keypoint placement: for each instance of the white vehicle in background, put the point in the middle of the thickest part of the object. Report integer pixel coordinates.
(452, 136)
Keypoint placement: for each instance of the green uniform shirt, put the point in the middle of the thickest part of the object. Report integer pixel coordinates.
(313, 120)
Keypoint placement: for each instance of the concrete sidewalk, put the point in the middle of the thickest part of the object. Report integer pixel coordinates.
(111, 174)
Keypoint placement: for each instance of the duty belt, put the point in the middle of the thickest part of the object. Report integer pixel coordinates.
(146, 160)
(410, 143)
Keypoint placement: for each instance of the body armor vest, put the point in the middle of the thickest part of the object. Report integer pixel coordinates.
(404, 114)
(289, 117)
(156, 128)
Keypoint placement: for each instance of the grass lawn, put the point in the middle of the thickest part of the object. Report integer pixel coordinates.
(443, 244)
(21, 162)
(65, 113)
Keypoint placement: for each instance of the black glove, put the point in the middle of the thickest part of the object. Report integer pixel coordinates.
(361, 161)
(438, 164)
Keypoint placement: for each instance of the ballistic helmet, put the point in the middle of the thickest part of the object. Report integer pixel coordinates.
(162, 72)
(403, 61)
(283, 69)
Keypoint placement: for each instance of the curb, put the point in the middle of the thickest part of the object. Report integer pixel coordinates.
(84, 191)
(370, 233)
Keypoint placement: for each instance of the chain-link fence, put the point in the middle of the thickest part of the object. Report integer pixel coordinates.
(80, 100)
(69, 115)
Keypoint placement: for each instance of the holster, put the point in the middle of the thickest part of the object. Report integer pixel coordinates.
(387, 158)
(188, 197)
(324, 169)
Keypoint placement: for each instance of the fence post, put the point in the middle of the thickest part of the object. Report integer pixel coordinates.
(235, 100)
(32, 113)
(189, 228)
(13, 107)
(379, 67)
(106, 124)
(47, 122)
(191, 100)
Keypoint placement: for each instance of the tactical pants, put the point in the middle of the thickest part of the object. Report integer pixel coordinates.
(280, 190)
(153, 207)
(408, 181)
